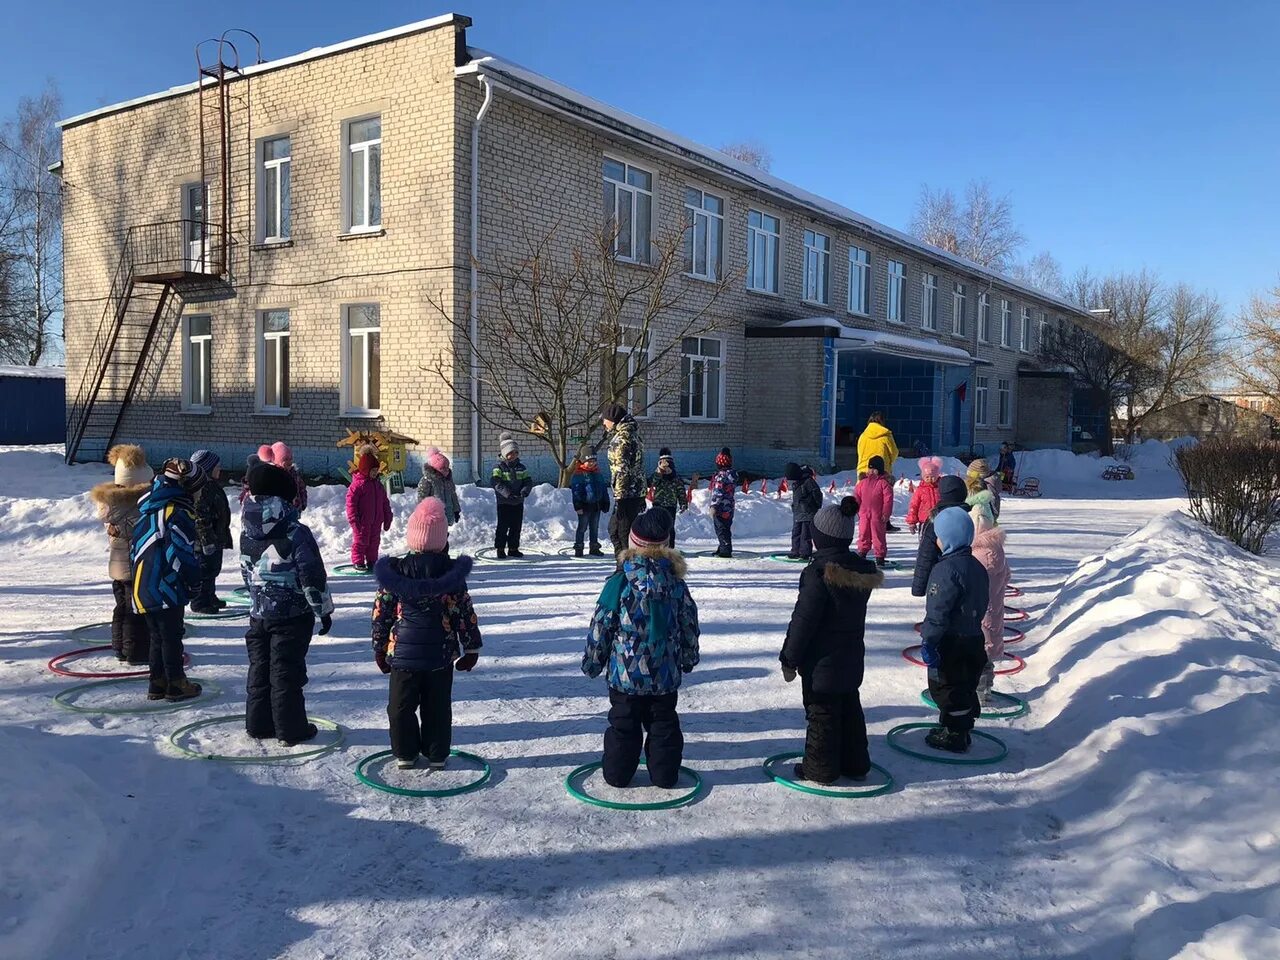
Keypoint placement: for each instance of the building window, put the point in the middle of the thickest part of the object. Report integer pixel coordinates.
(984, 317)
(980, 402)
(626, 380)
(929, 302)
(817, 266)
(1004, 403)
(273, 361)
(897, 290)
(1006, 323)
(273, 189)
(959, 300)
(704, 234)
(361, 359)
(764, 246)
(628, 209)
(859, 281)
(1044, 331)
(363, 181)
(197, 363)
(1024, 343)
(702, 384)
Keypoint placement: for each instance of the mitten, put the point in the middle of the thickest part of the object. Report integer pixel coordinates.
(380, 658)
(325, 623)
(467, 661)
(788, 673)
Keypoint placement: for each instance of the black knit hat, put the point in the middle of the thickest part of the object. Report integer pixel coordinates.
(791, 471)
(613, 413)
(951, 491)
(268, 480)
(651, 529)
(876, 463)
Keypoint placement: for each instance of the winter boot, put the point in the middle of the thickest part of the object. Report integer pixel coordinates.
(596, 551)
(403, 764)
(436, 764)
(157, 688)
(880, 562)
(180, 690)
(501, 554)
(953, 741)
(577, 549)
(308, 733)
(890, 528)
(515, 554)
(219, 603)
(204, 609)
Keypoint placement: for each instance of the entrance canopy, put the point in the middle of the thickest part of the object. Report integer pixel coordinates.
(875, 341)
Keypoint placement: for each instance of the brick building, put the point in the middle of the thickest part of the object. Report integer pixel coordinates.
(291, 295)
(1207, 416)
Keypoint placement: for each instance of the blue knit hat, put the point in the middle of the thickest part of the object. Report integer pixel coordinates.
(953, 528)
(206, 460)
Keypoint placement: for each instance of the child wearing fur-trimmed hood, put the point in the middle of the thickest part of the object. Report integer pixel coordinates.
(117, 507)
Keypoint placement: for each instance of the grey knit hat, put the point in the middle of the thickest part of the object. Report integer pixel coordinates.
(507, 444)
(838, 520)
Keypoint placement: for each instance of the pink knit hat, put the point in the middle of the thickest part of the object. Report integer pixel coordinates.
(437, 460)
(930, 468)
(266, 454)
(283, 455)
(428, 530)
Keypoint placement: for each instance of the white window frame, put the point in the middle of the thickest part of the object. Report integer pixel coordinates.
(278, 170)
(206, 363)
(984, 317)
(269, 342)
(625, 190)
(1044, 330)
(981, 400)
(1004, 403)
(860, 280)
(347, 409)
(817, 268)
(772, 242)
(959, 307)
(929, 302)
(353, 153)
(1006, 324)
(687, 378)
(896, 292)
(713, 223)
(631, 353)
(1024, 334)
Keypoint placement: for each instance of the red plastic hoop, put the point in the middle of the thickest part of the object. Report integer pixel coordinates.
(54, 665)
(908, 654)
(1011, 592)
(1015, 615)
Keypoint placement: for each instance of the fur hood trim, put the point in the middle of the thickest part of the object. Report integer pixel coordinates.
(678, 565)
(113, 495)
(128, 454)
(839, 577)
(452, 581)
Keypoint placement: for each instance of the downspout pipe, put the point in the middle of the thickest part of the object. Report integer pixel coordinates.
(475, 282)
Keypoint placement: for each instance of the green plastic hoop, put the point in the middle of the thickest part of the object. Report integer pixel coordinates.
(874, 791)
(220, 615)
(937, 758)
(485, 773)
(236, 600)
(737, 555)
(64, 698)
(489, 555)
(242, 592)
(568, 553)
(671, 804)
(783, 558)
(349, 570)
(1021, 707)
(88, 626)
(320, 722)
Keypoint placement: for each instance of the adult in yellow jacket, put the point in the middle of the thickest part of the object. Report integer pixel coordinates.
(876, 441)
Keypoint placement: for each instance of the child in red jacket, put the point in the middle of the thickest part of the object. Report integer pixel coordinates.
(926, 496)
(368, 510)
(875, 499)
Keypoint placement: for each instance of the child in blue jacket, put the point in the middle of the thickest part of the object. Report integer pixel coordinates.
(590, 499)
(724, 489)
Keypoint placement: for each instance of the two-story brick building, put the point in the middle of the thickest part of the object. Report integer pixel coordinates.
(261, 255)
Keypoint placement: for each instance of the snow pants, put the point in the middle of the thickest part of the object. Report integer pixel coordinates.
(724, 534)
(802, 538)
(130, 638)
(625, 511)
(651, 722)
(953, 681)
(420, 712)
(365, 545)
(510, 519)
(588, 525)
(871, 536)
(210, 567)
(166, 630)
(277, 674)
(836, 740)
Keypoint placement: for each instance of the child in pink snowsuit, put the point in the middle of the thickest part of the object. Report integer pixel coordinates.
(875, 506)
(926, 496)
(368, 510)
(988, 549)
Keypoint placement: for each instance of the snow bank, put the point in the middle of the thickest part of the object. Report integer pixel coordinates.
(1066, 474)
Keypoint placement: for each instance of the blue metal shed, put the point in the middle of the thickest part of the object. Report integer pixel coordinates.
(33, 404)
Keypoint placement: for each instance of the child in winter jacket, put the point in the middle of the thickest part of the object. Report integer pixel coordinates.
(282, 456)
(951, 640)
(988, 548)
(368, 509)
(925, 497)
(669, 490)
(825, 646)
(511, 485)
(951, 493)
(875, 507)
(806, 501)
(266, 454)
(424, 627)
(724, 490)
(288, 591)
(645, 631)
(980, 478)
(1006, 466)
(437, 481)
(162, 556)
(213, 531)
(590, 499)
(117, 505)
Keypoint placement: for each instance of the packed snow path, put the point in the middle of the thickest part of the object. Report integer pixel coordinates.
(1134, 816)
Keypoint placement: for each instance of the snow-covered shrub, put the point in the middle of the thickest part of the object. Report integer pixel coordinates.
(1233, 485)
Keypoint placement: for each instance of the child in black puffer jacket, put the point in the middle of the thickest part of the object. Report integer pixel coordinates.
(952, 492)
(806, 501)
(424, 626)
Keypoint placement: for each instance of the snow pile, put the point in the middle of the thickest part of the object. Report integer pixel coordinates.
(1066, 474)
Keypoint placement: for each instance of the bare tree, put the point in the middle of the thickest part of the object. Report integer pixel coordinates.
(1042, 272)
(751, 152)
(980, 228)
(30, 231)
(569, 330)
(1257, 363)
(1187, 348)
(936, 219)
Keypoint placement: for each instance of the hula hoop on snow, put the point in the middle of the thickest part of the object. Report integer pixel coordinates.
(568, 553)
(55, 666)
(63, 698)
(349, 570)
(874, 790)
(1021, 707)
(1011, 634)
(236, 600)
(737, 555)
(1011, 592)
(1018, 667)
(485, 773)
(311, 754)
(958, 761)
(490, 554)
(784, 558)
(240, 592)
(582, 771)
(1018, 615)
(227, 614)
(85, 627)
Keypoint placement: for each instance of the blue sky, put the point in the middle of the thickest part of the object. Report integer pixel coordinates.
(1128, 134)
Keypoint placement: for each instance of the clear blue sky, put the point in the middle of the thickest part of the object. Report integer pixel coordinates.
(1129, 134)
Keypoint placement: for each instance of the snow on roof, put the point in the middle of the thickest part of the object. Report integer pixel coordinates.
(496, 67)
(314, 53)
(33, 373)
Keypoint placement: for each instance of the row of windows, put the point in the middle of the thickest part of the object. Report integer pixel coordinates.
(981, 402)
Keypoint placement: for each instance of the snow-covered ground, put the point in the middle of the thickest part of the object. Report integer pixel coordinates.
(1135, 816)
